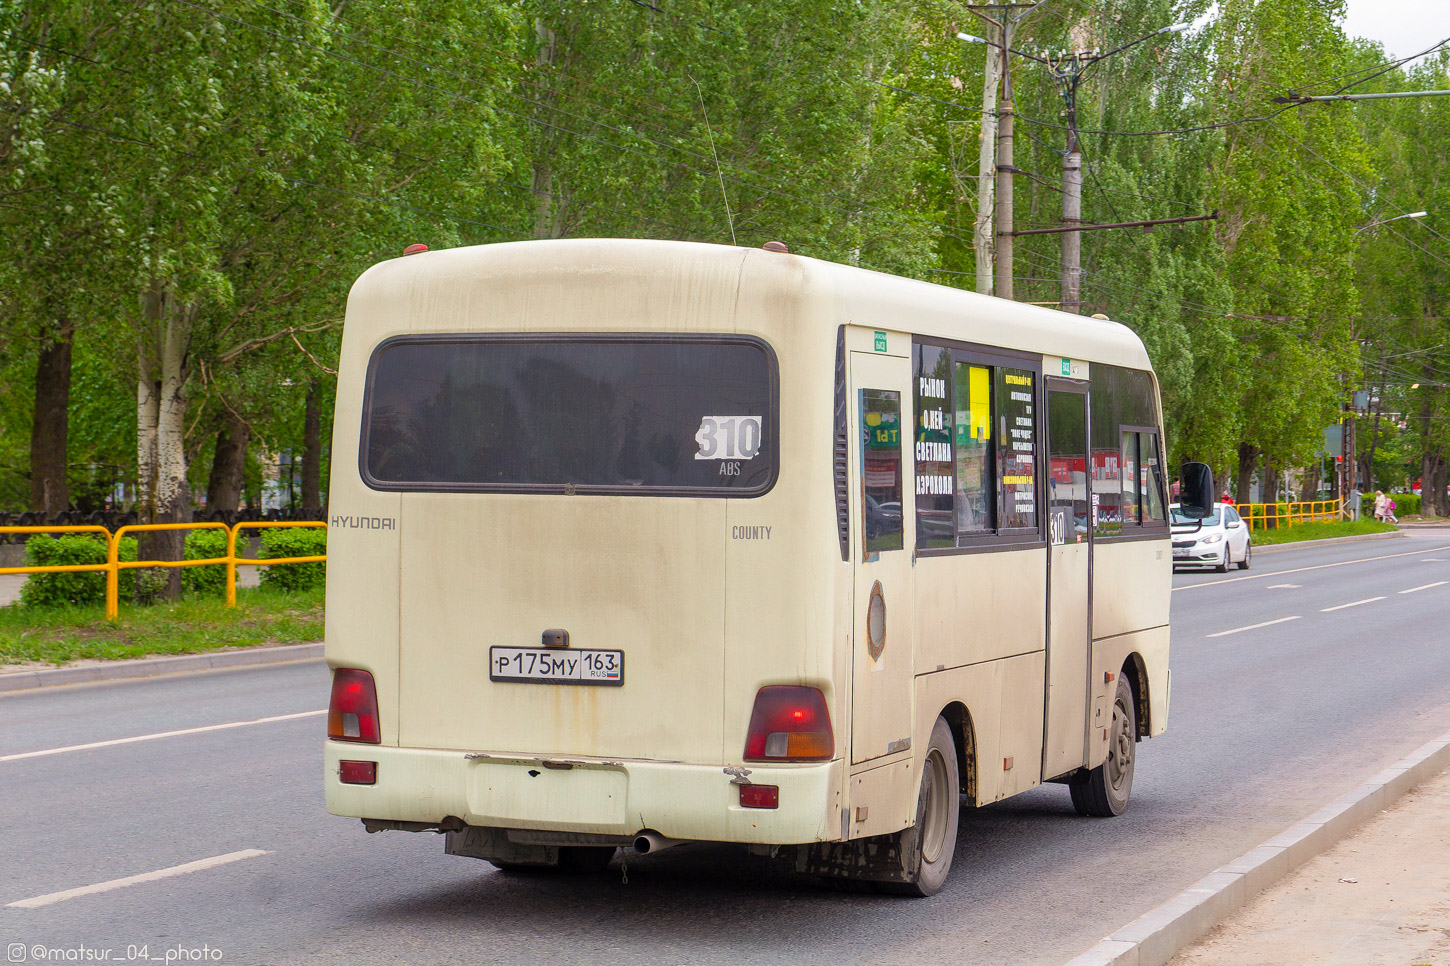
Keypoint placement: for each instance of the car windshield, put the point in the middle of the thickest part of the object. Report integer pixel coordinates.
(1182, 519)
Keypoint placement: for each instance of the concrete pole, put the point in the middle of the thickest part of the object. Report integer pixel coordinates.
(1004, 172)
(982, 241)
(1071, 240)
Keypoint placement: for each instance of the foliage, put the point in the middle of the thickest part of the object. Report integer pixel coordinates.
(196, 187)
(206, 580)
(1406, 504)
(58, 634)
(1320, 531)
(294, 542)
(76, 587)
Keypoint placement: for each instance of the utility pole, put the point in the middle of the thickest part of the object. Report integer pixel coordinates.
(1071, 240)
(1005, 169)
(1068, 69)
(983, 243)
(1010, 13)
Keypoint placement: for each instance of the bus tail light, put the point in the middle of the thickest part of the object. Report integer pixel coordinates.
(352, 715)
(789, 724)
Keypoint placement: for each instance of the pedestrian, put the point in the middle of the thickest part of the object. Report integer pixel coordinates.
(1379, 505)
(1227, 500)
(1390, 512)
(1173, 490)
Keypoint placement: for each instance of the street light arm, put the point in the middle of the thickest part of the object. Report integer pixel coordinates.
(1386, 221)
(969, 38)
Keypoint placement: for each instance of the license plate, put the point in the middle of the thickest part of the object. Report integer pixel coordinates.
(1180, 553)
(556, 665)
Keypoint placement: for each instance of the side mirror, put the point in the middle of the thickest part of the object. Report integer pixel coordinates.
(1196, 492)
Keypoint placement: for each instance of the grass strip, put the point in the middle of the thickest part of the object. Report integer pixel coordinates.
(1319, 531)
(58, 635)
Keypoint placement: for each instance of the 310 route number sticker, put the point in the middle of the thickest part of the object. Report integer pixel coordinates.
(728, 437)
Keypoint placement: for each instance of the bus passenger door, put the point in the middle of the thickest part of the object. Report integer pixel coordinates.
(1069, 563)
(882, 652)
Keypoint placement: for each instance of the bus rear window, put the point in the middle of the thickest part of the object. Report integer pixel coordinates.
(588, 414)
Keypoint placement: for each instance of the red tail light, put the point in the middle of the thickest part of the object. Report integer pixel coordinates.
(789, 724)
(352, 715)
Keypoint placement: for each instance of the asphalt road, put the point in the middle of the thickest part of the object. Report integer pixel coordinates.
(1267, 724)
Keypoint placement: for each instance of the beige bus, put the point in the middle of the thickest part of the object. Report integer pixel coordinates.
(636, 543)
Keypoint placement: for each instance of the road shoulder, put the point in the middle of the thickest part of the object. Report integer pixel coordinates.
(1157, 936)
(92, 671)
(1382, 895)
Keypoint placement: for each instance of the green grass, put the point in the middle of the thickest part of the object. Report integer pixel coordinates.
(56, 635)
(1319, 531)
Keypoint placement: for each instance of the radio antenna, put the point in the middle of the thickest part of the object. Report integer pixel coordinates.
(726, 198)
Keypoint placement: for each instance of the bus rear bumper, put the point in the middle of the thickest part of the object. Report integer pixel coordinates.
(595, 796)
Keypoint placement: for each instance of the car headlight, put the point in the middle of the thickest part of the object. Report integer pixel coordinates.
(1211, 538)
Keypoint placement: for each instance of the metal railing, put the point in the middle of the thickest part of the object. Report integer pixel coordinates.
(114, 565)
(1271, 516)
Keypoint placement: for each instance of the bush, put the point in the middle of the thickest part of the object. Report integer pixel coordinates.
(85, 587)
(203, 545)
(294, 542)
(1406, 504)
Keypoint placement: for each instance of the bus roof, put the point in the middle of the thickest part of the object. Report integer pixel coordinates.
(441, 285)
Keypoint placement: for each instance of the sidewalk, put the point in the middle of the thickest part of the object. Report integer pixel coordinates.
(1380, 896)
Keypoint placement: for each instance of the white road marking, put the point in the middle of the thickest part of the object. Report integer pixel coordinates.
(130, 880)
(1252, 627)
(1300, 570)
(159, 734)
(1285, 586)
(1367, 600)
(1434, 560)
(1438, 583)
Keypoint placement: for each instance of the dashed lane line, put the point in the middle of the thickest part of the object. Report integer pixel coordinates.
(51, 898)
(1367, 600)
(1438, 583)
(1300, 570)
(159, 734)
(1253, 627)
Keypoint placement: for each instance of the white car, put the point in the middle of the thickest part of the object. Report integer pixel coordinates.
(1217, 540)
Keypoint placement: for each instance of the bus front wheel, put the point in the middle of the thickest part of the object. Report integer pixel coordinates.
(1104, 790)
(926, 848)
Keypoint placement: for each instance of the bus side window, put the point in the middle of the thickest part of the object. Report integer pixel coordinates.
(881, 468)
(1152, 479)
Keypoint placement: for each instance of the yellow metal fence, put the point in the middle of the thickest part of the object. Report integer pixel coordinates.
(113, 565)
(1271, 516)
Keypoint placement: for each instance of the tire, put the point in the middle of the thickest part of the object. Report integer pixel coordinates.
(1223, 564)
(927, 847)
(1248, 552)
(1103, 792)
(573, 860)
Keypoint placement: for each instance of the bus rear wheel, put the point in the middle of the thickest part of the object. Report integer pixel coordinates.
(926, 848)
(1104, 790)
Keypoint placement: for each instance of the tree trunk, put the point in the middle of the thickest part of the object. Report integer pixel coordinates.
(49, 490)
(163, 493)
(1248, 462)
(224, 486)
(1309, 482)
(312, 450)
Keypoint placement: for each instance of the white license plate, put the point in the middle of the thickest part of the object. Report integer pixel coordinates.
(556, 665)
(1182, 553)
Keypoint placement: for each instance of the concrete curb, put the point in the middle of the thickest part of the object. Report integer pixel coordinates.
(153, 666)
(1157, 936)
(1328, 542)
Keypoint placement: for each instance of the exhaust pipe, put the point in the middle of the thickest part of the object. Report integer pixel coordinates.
(647, 842)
